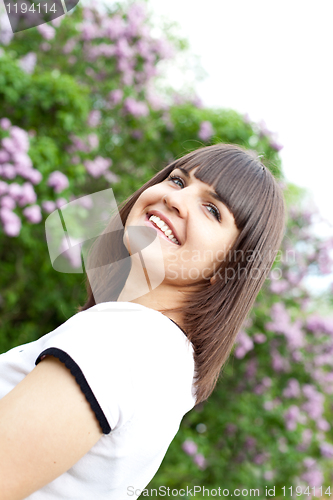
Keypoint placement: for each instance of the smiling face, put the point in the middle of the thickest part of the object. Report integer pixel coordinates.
(196, 228)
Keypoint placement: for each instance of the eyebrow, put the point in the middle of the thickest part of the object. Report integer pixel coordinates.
(214, 194)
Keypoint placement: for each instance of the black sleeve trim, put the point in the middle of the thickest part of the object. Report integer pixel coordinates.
(81, 380)
(180, 328)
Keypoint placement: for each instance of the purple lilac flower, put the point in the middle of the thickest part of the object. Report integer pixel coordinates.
(263, 386)
(293, 416)
(58, 181)
(22, 162)
(87, 14)
(4, 156)
(293, 277)
(98, 166)
(189, 447)
(93, 141)
(33, 175)
(28, 62)
(7, 171)
(9, 145)
(15, 190)
(244, 344)
(279, 363)
(309, 462)
(77, 145)
(264, 131)
(86, 202)
(251, 368)
(60, 202)
(279, 286)
(326, 449)
(3, 187)
(143, 49)
(48, 206)
(5, 123)
(103, 49)
(163, 48)
(137, 134)
(246, 118)
(261, 458)
(128, 74)
(6, 33)
(135, 108)
(250, 443)
(45, 46)
(46, 31)
(137, 12)
(94, 118)
(33, 214)
(293, 389)
(306, 440)
(114, 27)
(259, 338)
(274, 144)
(323, 425)
(325, 260)
(269, 475)
(206, 131)
(73, 254)
(315, 404)
(230, 429)
(123, 49)
(155, 101)
(8, 202)
(11, 222)
(106, 51)
(200, 461)
(26, 195)
(69, 46)
(319, 324)
(281, 324)
(89, 31)
(197, 101)
(57, 21)
(313, 477)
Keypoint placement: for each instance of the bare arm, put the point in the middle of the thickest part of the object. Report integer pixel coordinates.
(46, 426)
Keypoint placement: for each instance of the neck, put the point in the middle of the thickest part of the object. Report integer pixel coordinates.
(163, 297)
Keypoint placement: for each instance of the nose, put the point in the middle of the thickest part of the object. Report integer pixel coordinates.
(174, 202)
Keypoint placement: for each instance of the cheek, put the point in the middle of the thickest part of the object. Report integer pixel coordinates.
(148, 197)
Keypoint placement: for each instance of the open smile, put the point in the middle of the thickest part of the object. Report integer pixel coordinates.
(152, 224)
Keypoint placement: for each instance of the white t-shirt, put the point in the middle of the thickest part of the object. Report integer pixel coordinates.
(136, 368)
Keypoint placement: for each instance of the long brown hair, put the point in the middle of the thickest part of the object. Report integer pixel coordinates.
(214, 313)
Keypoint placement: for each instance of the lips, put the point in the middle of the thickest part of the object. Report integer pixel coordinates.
(167, 221)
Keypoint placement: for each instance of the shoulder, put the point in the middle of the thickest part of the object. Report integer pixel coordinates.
(47, 426)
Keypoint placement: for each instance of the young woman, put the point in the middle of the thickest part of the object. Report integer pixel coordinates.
(167, 295)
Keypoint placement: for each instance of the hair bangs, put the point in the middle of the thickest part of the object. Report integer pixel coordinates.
(240, 180)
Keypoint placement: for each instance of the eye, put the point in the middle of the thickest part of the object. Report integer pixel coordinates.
(175, 178)
(215, 211)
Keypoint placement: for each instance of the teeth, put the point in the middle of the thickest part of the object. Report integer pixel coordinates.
(164, 227)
